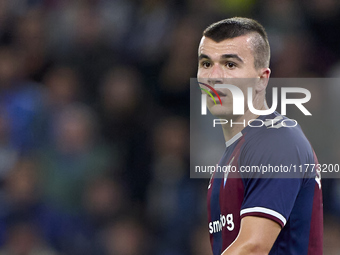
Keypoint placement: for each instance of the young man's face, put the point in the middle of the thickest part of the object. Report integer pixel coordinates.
(230, 58)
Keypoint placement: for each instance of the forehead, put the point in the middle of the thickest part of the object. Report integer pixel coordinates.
(241, 46)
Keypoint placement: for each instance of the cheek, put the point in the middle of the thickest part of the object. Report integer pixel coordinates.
(201, 73)
(250, 72)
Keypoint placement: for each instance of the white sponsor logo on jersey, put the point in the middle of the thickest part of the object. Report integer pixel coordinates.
(218, 225)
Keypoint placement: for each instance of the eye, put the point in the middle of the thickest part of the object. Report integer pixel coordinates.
(230, 65)
(206, 64)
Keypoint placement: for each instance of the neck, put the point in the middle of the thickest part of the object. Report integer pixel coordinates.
(237, 123)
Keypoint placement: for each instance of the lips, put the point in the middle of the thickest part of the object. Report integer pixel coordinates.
(220, 93)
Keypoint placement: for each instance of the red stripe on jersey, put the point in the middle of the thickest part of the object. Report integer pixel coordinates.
(315, 245)
(264, 215)
(209, 202)
(234, 186)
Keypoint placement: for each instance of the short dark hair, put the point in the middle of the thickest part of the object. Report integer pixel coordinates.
(238, 26)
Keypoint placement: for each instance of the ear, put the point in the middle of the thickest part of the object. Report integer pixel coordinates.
(264, 74)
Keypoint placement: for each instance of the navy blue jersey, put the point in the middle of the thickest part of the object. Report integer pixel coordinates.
(294, 202)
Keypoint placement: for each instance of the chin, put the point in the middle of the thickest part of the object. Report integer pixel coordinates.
(220, 112)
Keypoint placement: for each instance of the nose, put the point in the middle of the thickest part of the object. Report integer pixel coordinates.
(215, 75)
(216, 72)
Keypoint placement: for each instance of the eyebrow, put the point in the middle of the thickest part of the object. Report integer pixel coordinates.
(201, 56)
(224, 56)
(232, 56)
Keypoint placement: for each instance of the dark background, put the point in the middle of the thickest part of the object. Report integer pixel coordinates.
(94, 118)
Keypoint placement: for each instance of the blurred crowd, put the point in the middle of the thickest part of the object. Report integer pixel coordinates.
(94, 119)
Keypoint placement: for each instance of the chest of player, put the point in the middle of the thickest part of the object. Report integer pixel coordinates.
(224, 201)
(224, 204)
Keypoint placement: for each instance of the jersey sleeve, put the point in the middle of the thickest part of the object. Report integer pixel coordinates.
(270, 198)
(272, 195)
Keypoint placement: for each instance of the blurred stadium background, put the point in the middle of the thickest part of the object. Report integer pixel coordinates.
(94, 119)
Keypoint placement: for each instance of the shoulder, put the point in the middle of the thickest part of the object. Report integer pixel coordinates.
(277, 133)
(279, 142)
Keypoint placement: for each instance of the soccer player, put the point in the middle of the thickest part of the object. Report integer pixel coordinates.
(249, 214)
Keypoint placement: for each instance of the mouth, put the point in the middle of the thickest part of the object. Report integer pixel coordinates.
(217, 97)
(220, 93)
